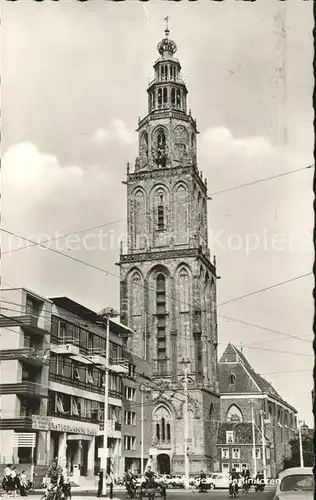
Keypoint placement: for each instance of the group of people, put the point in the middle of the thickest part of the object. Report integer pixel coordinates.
(109, 482)
(247, 481)
(149, 481)
(14, 482)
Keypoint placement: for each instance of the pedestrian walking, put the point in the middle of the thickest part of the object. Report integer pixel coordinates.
(100, 484)
(23, 484)
(109, 482)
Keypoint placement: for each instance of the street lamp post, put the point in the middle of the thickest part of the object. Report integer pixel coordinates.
(143, 389)
(106, 313)
(254, 443)
(186, 426)
(263, 449)
(301, 444)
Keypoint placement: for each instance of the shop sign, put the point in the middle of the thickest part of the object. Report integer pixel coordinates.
(51, 424)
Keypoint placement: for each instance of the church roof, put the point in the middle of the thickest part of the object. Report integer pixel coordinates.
(246, 380)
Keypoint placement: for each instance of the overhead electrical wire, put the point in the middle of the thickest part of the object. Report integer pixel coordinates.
(159, 397)
(151, 288)
(99, 226)
(249, 346)
(229, 318)
(264, 179)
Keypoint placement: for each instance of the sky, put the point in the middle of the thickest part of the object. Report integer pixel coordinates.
(74, 79)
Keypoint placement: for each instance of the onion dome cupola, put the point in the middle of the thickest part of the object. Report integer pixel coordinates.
(167, 91)
(167, 134)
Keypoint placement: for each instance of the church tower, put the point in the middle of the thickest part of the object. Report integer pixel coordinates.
(168, 283)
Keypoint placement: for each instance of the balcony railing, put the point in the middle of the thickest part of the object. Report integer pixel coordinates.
(61, 379)
(33, 356)
(166, 80)
(25, 388)
(77, 418)
(32, 323)
(16, 423)
(68, 346)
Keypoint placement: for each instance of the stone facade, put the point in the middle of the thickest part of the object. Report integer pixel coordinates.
(246, 395)
(239, 453)
(168, 284)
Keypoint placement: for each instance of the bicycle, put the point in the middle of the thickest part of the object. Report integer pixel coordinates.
(233, 490)
(53, 492)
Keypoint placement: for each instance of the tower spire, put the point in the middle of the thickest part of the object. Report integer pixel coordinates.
(167, 31)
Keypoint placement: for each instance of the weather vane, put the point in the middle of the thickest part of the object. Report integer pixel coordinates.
(167, 29)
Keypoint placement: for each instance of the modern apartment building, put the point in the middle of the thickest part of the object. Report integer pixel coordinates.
(52, 384)
(137, 406)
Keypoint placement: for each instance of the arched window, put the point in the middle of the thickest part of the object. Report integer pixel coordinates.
(178, 98)
(160, 147)
(234, 414)
(165, 95)
(184, 290)
(162, 425)
(181, 225)
(168, 432)
(173, 96)
(163, 429)
(144, 148)
(181, 138)
(139, 220)
(159, 97)
(136, 297)
(136, 300)
(161, 324)
(160, 214)
(161, 139)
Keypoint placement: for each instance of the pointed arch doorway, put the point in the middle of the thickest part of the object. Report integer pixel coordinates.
(163, 463)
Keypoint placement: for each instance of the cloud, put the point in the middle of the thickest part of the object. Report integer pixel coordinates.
(123, 133)
(221, 141)
(38, 191)
(101, 135)
(27, 170)
(117, 131)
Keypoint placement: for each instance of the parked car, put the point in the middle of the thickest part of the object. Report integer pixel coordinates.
(166, 479)
(119, 481)
(178, 481)
(220, 480)
(296, 483)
